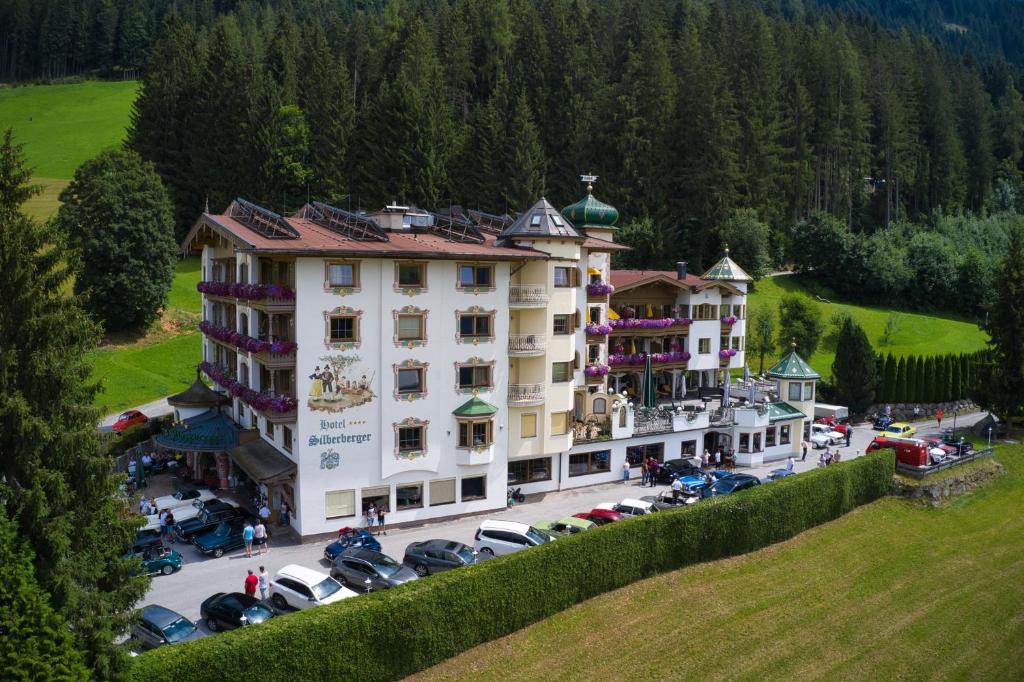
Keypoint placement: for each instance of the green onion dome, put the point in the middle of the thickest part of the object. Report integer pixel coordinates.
(589, 212)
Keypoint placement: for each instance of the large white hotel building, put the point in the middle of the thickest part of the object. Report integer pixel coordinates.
(426, 362)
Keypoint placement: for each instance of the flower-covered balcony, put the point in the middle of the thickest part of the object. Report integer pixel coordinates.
(283, 350)
(269, 296)
(276, 407)
(652, 320)
(599, 291)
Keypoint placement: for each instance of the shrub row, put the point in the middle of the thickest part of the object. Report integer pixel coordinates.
(926, 379)
(387, 635)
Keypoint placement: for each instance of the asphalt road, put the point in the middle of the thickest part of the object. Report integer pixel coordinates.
(202, 576)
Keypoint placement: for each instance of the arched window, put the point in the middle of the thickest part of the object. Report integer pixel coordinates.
(600, 406)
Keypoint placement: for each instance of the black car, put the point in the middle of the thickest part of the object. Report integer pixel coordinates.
(733, 483)
(951, 439)
(365, 570)
(226, 611)
(666, 500)
(146, 539)
(206, 520)
(882, 422)
(225, 537)
(676, 468)
(435, 556)
(157, 626)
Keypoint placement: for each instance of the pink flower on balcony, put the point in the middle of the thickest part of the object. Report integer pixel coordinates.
(600, 289)
(729, 319)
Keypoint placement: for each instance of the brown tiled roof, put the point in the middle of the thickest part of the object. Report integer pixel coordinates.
(313, 238)
(630, 278)
(595, 244)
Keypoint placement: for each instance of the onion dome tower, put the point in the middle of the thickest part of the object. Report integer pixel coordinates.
(592, 215)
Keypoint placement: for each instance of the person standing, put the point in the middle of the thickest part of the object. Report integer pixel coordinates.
(264, 583)
(380, 521)
(251, 582)
(939, 414)
(371, 517)
(169, 521)
(247, 536)
(282, 516)
(789, 463)
(718, 458)
(644, 472)
(259, 535)
(625, 471)
(705, 459)
(849, 434)
(653, 467)
(163, 522)
(677, 487)
(803, 445)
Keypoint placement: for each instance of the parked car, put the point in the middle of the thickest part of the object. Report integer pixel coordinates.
(899, 430)
(833, 423)
(299, 587)
(158, 560)
(692, 485)
(435, 556)
(664, 500)
(205, 521)
(158, 626)
(963, 446)
(936, 442)
(822, 436)
(777, 474)
(568, 525)
(230, 610)
(674, 468)
(629, 507)
(882, 422)
(146, 538)
(224, 538)
(185, 513)
(910, 452)
(129, 419)
(504, 537)
(600, 516)
(183, 498)
(348, 538)
(369, 570)
(733, 483)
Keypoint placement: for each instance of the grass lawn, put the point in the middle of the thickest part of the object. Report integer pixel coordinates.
(135, 371)
(892, 590)
(44, 205)
(63, 125)
(917, 333)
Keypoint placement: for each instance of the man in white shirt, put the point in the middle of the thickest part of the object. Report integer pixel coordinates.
(677, 487)
(789, 463)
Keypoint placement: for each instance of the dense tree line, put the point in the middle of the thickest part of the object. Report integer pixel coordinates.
(925, 379)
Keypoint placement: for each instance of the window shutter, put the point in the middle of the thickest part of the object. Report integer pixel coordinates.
(576, 320)
(576, 360)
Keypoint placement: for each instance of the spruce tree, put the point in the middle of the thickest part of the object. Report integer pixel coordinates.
(922, 380)
(56, 486)
(889, 378)
(956, 382)
(912, 362)
(282, 61)
(901, 381)
(523, 159)
(853, 370)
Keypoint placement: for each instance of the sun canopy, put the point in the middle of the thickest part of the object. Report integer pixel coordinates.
(210, 431)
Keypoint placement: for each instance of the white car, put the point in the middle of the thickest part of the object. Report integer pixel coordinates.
(629, 507)
(303, 588)
(183, 513)
(183, 498)
(822, 436)
(496, 538)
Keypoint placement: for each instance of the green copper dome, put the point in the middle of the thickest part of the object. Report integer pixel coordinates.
(589, 212)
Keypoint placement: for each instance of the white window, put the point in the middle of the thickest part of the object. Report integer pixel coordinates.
(339, 503)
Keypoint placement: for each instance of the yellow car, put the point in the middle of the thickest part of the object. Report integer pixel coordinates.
(899, 430)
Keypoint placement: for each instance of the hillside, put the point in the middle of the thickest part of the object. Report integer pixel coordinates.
(63, 125)
(916, 333)
(936, 596)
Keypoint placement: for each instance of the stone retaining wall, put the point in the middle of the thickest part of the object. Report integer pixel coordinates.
(905, 411)
(936, 492)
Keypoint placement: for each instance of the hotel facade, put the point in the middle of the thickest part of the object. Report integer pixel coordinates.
(426, 362)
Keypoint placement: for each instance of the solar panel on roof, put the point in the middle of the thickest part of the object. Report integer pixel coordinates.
(261, 220)
(345, 223)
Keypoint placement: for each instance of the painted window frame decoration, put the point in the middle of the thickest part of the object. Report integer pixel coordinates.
(410, 310)
(474, 362)
(355, 288)
(408, 290)
(343, 311)
(411, 364)
(411, 423)
(476, 311)
(474, 288)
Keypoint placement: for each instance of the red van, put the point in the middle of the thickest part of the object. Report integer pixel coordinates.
(912, 452)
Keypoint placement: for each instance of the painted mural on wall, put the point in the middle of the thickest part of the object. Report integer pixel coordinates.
(338, 384)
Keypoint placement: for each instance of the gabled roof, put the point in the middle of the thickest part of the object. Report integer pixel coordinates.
(792, 367)
(197, 395)
(783, 412)
(540, 221)
(629, 279)
(727, 270)
(475, 407)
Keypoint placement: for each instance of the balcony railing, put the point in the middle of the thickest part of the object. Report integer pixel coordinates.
(527, 344)
(245, 342)
(638, 359)
(528, 294)
(651, 421)
(251, 292)
(261, 401)
(526, 394)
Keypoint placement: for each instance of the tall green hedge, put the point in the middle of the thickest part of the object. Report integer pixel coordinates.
(388, 635)
(931, 379)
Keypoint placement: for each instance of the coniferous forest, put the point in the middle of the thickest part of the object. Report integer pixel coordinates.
(778, 130)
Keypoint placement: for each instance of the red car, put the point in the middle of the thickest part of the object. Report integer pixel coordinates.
(937, 442)
(600, 516)
(832, 422)
(129, 419)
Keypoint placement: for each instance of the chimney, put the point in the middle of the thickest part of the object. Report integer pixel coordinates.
(681, 270)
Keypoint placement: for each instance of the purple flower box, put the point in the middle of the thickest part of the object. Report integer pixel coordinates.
(729, 319)
(596, 370)
(245, 342)
(252, 292)
(656, 358)
(661, 323)
(600, 289)
(262, 402)
(727, 353)
(598, 329)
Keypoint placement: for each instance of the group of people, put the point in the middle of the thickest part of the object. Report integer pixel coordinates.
(649, 470)
(707, 459)
(255, 535)
(148, 508)
(375, 519)
(261, 581)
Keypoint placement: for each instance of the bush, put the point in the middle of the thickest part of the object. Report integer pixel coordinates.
(388, 635)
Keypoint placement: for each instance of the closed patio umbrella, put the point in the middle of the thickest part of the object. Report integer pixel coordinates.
(647, 393)
(725, 390)
(746, 372)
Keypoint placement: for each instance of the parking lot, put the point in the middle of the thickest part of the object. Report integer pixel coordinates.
(202, 576)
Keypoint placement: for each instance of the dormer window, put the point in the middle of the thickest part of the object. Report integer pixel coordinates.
(558, 220)
(535, 220)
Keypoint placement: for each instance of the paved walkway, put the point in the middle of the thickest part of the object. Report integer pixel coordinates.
(157, 408)
(202, 576)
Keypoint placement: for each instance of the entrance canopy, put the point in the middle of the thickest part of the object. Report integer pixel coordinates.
(262, 462)
(210, 431)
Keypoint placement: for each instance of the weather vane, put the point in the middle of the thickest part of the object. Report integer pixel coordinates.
(590, 180)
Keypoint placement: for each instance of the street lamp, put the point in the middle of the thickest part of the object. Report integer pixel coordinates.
(990, 436)
(954, 422)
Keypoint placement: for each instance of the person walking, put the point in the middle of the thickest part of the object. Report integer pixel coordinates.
(380, 521)
(789, 463)
(247, 536)
(169, 521)
(251, 582)
(283, 514)
(371, 517)
(653, 467)
(644, 472)
(625, 471)
(259, 537)
(677, 487)
(849, 434)
(939, 414)
(835, 456)
(718, 458)
(163, 522)
(803, 445)
(264, 583)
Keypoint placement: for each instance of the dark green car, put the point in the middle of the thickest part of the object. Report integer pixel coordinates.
(158, 560)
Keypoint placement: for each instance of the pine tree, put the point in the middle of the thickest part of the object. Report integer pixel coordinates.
(900, 392)
(912, 363)
(889, 379)
(922, 380)
(524, 162)
(282, 62)
(853, 370)
(975, 112)
(52, 469)
(956, 383)
(934, 380)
